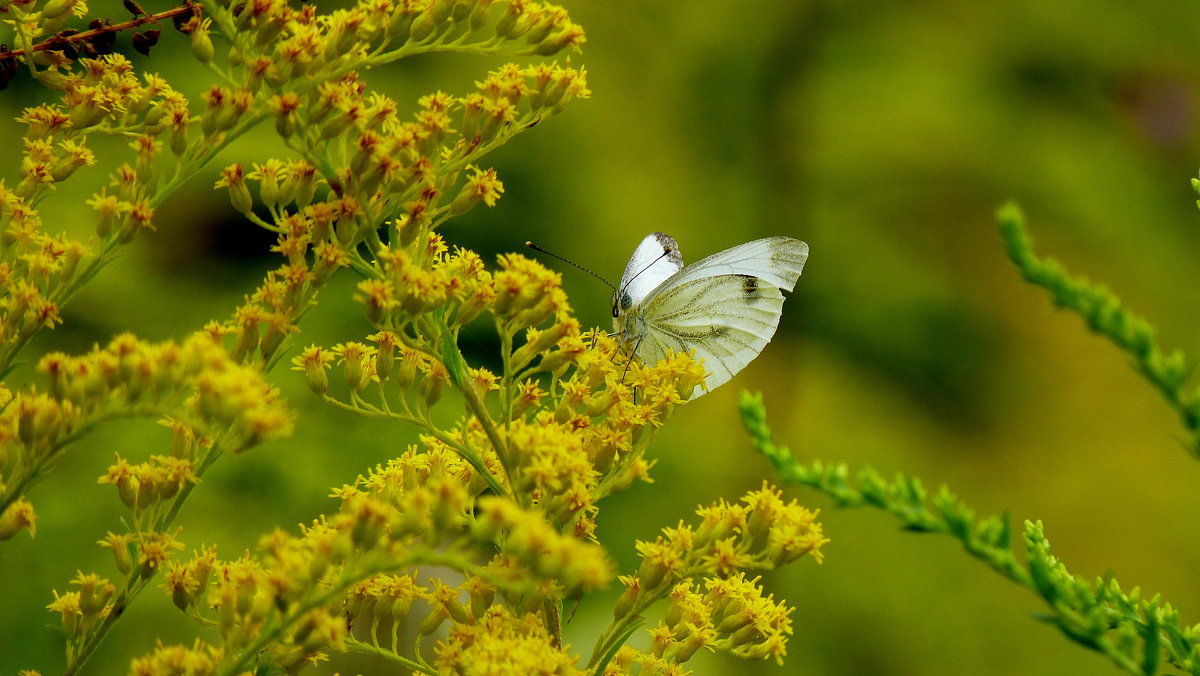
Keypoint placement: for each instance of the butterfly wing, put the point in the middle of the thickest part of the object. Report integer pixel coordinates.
(725, 307)
(777, 261)
(654, 261)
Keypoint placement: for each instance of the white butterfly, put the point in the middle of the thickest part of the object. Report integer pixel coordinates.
(725, 307)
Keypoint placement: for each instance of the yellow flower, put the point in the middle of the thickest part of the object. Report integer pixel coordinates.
(314, 361)
(529, 394)
(199, 660)
(503, 644)
(748, 624)
(17, 517)
(482, 186)
(482, 380)
(549, 462)
(527, 293)
(67, 605)
(660, 564)
(154, 550)
(434, 382)
(94, 593)
(358, 363)
(574, 566)
(120, 545)
(379, 297)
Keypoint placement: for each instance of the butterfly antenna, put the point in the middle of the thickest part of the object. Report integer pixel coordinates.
(535, 247)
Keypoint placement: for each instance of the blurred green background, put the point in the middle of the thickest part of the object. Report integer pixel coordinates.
(883, 134)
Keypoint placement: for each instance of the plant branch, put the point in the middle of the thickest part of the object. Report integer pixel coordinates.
(1107, 316)
(61, 39)
(1134, 633)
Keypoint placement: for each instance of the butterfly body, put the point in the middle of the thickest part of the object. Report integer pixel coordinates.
(725, 307)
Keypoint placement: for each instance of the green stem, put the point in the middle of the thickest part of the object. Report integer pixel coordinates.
(506, 403)
(625, 463)
(617, 632)
(552, 611)
(200, 161)
(60, 298)
(354, 645)
(479, 410)
(214, 452)
(466, 453)
(134, 585)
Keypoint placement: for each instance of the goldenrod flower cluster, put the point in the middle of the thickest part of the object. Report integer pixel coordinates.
(208, 397)
(566, 565)
(418, 509)
(280, 604)
(760, 533)
(563, 425)
(34, 267)
(211, 404)
(506, 644)
(105, 95)
(199, 660)
(81, 610)
(381, 167)
(403, 170)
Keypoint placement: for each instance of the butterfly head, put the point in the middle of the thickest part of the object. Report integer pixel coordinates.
(621, 302)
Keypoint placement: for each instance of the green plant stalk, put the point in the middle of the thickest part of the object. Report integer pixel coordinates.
(479, 410)
(356, 646)
(615, 635)
(1107, 316)
(60, 298)
(133, 587)
(506, 349)
(1086, 614)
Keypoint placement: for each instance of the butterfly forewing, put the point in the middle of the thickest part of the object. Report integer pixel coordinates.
(654, 261)
(727, 320)
(778, 261)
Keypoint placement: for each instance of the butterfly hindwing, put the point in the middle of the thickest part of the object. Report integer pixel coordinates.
(727, 319)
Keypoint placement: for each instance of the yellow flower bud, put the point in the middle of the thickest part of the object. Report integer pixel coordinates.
(431, 623)
(17, 517)
(56, 8)
(202, 44)
(120, 544)
(628, 601)
(434, 383)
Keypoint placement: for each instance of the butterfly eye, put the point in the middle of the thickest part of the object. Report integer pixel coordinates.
(620, 302)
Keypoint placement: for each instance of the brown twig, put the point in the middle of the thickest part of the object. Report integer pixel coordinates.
(189, 7)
